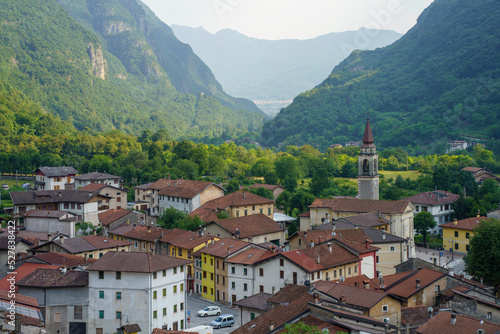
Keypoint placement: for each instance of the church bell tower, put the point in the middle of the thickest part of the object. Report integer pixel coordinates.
(368, 166)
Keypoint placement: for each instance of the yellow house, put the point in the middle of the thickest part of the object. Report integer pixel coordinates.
(456, 234)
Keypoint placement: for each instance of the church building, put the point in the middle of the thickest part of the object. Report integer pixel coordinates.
(368, 167)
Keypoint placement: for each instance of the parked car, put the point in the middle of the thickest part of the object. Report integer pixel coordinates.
(209, 310)
(5, 186)
(226, 320)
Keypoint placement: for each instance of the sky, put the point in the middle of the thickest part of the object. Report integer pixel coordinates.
(285, 19)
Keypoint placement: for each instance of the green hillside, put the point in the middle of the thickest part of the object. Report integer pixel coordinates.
(439, 81)
(113, 65)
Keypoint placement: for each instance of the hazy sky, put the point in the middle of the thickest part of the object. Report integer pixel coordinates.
(279, 19)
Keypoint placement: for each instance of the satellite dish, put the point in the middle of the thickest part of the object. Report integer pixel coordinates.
(342, 279)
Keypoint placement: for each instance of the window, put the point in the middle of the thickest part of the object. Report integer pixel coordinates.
(91, 256)
(211, 262)
(154, 294)
(164, 273)
(217, 264)
(181, 268)
(261, 210)
(78, 312)
(268, 211)
(377, 259)
(211, 276)
(189, 255)
(182, 306)
(57, 317)
(182, 287)
(456, 234)
(393, 248)
(456, 246)
(348, 271)
(204, 274)
(282, 274)
(436, 288)
(467, 247)
(340, 272)
(261, 288)
(252, 316)
(385, 308)
(155, 275)
(118, 295)
(233, 285)
(246, 212)
(245, 287)
(282, 262)
(261, 271)
(135, 244)
(155, 315)
(175, 288)
(467, 235)
(101, 275)
(233, 270)
(175, 308)
(143, 245)
(164, 311)
(100, 255)
(356, 270)
(101, 314)
(245, 271)
(489, 315)
(179, 251)
(335, 274)
(175, 270)
(205, 259)
(101, 294)
(99, 331)
(118, 315)
(118, 275)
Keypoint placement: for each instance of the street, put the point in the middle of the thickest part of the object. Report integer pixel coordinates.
(195, 303)
(457, 264)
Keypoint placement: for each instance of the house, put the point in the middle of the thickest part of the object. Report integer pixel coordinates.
(378, 305)
(21, 249)
(437, 202)
(399, 213)
(391, 252)
(55, 178)
(417, 287)
(447, 322)
(480, 174)
(96, 177)
(117, 197)
(237, 204)
(51, 221)
(120, 281)
(275, 189)
(214, 270)
(28, 312)
(143, 238)
(84, 205)
(257, 228)
(251, 307)
(64, 260)
(142, 195)
(52, 287)
(90, 246)
(456, 234)
(458, 145)
(115, 217)
(183, 195)
(20, 272)
(414, 317)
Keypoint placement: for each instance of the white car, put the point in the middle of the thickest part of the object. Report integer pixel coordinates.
(209, 310)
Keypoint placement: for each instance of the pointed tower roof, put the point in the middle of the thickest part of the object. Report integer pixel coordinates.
(368, 136)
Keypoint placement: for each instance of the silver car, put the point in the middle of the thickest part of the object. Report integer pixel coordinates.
(209, 310)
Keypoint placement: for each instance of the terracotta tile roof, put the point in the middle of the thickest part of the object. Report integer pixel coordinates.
(185, 188)
(205, 214)
(349, 315)
(357, 296)
(265, 186)
(248, 226)
(131, 328)
(308, 258)
(45, 213)
(144, 186)
(222, 247)
(51, 196)
(470, 281)
(302, 260)
(451, 291)
(415, 315)
(465, 224)
(20, 299)
(159, 184)
(353, 238)
(67, 260)
(238, 198)
(321, 325)
(406, 286)
(472, 169)
(96, 176)
(441, 323)
(361, 205)
(94, 187)
(25, 320)
(257, 301)
(184, 239)
(22, 271)
(278, 315)
(57, 171)
(359, 281)
(339, 225)
(252, 256)
(288, 294)
(305, 214)
(136, 262)
(55, 278)
(88, 243)
(4, 242)
(140, 232)
(437, 197)
(112, 215)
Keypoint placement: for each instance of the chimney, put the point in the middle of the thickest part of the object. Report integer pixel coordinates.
(250, 239)
(149, 229)
(383, 235)
(305, 236)
(60, 194)
(455, 221)
(342, 299)
(381, 282)
(366, 284)
(271, 325)
(317, 258)
(61, 240)
(333, 226)
(116, 248)
(316, 298)
(63, 269)
(95, 232)
(356, 284)
(319, 239)
(453, 319)
(85, 256)
(367, 243)
(417, 283)
(134, 226)
(330, 247)
(244, 194)
(379, 215)
(312, 244)
(478, 213)
(228, 251)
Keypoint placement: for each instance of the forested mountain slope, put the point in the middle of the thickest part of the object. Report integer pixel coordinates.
(439, 81)
(114, 65)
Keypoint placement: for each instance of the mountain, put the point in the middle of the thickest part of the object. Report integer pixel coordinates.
(114, 65)
(440, 81)
(267, 70)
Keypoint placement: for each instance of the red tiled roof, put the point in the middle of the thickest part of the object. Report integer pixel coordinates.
(45, 213)
(140, 232)
(222, 247)
(359, 281)
(406, 286)
(353, 238)
(415, 315)
(305, 214)
(67, 260)
(20, 299)
(265, 186)
(205, 214)
(360, 205)
(136, 262)
(308, 258)
(238, 198)
(21, 272)
(94, 186)
(465, 224)
(357, 296)
(55, 278)
(184, 239)
(52, 196)
(184, 188)
(441, 323)
(251, 225)
(437, 197)
(252, 256)
(112, 215)
(288, 293)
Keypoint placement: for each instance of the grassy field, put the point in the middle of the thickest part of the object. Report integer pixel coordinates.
(413, 175)
(11, 183)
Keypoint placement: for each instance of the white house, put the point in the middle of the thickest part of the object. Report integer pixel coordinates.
(55, 178)
(137, 288)
(51, 221)
(96, 177)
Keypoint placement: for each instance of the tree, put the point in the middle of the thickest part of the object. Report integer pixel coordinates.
(282, 201)
(170, 217)
(320, 181)
(232, 186)
(483, 258)
(262, 192)
(292, 228)
(301, 328)
(424, 221)
(462, 207)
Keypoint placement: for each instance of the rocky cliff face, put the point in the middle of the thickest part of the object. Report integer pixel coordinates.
(99, 64)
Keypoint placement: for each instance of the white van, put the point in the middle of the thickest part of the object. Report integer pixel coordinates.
(225, 320)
